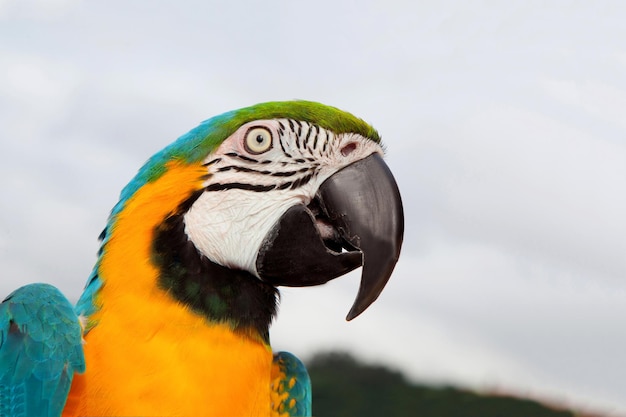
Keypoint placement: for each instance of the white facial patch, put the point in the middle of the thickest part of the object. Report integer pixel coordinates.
(248, 192)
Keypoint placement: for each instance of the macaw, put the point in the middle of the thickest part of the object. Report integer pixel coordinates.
(174, 319)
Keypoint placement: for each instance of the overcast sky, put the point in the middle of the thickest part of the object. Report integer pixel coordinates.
(505, 125)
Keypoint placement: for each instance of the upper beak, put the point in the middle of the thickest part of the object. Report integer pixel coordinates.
(362, 205)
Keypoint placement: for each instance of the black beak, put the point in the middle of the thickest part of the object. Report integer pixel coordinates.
(356, 219)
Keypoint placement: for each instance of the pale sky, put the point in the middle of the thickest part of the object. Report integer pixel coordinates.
(505, 126)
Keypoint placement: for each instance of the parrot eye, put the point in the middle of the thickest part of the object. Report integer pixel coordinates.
(258, 140)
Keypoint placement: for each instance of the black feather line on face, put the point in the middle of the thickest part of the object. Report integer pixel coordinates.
(218, 293)
(240, 186)
(243, 157)
(282, 147)
(264, 172)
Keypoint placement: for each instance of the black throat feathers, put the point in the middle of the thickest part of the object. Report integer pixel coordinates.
(220, 294)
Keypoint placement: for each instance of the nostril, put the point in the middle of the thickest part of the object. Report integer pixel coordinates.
(348, 149)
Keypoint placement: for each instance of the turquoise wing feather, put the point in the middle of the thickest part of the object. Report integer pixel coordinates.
(291, 387)
(40, 349)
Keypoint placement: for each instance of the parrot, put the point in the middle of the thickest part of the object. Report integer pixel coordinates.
(174, 318)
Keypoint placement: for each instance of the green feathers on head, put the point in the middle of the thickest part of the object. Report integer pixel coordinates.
(195, 145)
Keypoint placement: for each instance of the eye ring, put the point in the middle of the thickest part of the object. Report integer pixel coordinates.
(258, 140)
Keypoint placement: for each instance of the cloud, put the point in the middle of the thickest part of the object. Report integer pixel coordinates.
(528, 182)
(45, 10)
(34, 93)
(606, 102)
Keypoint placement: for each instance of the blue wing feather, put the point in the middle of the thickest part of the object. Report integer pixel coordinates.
(292, 388)
(40, 349)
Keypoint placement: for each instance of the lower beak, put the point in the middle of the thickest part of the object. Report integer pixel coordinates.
(361, 205)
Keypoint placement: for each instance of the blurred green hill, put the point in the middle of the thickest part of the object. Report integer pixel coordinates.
(344, 387)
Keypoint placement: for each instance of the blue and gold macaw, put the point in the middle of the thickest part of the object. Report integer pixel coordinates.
(174, 319)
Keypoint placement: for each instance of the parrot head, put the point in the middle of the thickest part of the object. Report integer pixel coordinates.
(277, 194)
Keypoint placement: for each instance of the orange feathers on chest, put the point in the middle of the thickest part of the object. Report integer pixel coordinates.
(149, 355)
(172, 364)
